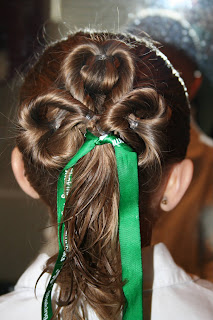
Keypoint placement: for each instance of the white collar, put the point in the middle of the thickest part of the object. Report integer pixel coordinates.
(166, 272)
(30, 276)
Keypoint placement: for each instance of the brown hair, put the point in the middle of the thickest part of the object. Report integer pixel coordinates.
(104, 83)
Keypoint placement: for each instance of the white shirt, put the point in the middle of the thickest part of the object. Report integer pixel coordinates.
(175, 294)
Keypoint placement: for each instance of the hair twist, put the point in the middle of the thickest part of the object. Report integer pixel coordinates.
(48, 123)
(92, 70)
(139, 119)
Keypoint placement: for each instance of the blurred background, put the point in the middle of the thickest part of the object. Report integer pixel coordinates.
(25, 27)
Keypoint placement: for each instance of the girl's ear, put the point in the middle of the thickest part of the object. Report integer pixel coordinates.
(178, 182)
(19, 173)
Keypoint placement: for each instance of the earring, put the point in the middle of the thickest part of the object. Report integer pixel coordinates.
(164, 200)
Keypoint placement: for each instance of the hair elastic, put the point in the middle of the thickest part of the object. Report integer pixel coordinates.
(101, 57)
(132, 124)
(89, 116)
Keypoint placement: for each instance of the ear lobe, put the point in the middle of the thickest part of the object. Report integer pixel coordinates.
(178, 182)
(19, 173)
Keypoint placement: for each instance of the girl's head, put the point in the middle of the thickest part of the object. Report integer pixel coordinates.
(104, 83)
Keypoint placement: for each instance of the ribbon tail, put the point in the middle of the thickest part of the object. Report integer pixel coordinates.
(129, 232)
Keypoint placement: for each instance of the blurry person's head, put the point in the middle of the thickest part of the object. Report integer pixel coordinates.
(186, 67)
(104, 83)
(177, 40)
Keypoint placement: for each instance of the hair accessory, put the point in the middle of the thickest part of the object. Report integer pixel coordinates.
(164, 200)
(101, 57)
(89, 116)
(129, 223)
(133, 124)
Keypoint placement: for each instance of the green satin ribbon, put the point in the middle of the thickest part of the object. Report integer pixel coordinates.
(129, 223)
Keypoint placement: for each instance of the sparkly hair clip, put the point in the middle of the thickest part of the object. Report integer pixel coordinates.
(89, 116)
(101, 57)
(133, 124)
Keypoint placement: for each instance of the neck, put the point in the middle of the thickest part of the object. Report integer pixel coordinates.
(146, 231)
(148, 278)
